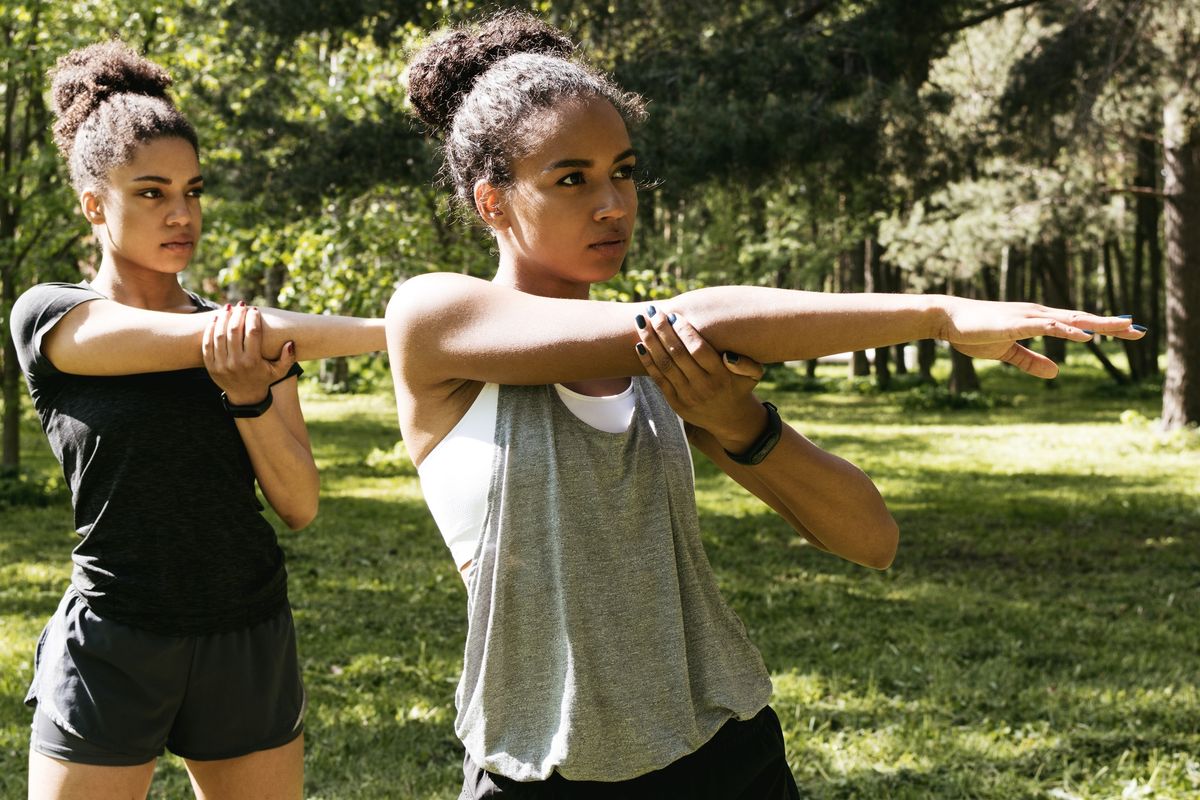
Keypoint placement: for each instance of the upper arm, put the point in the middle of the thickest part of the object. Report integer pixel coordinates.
(286, 400)
(447, 327)
(102, 337)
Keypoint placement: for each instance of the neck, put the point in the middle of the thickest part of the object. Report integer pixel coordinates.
(540, 283)
(156, 291)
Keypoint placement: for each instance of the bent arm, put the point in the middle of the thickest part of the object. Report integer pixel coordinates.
(829, 501)
(281, 455)
(102, 337)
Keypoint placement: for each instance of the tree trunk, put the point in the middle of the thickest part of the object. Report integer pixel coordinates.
(10, 459)
(962, 373)
(926, 356)
(1181, 184)
(859, 276)
(1148, 213)
(1056, 283)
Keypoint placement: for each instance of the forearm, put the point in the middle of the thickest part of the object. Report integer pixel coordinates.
(283, 462)
(828, 500)
(105, 338)
(773, 325)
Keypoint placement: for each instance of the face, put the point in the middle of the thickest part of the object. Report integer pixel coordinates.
(567, 220)
(148, 217)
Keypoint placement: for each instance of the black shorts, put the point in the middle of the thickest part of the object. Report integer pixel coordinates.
(743, 761)
(110, 694)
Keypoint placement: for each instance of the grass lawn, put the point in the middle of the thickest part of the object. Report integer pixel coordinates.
(1037, 637)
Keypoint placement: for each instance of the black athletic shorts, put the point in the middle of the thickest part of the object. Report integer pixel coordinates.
(110, 694)
(743, 761)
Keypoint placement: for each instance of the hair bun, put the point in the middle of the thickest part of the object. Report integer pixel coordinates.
(443, 72)
(83, 79)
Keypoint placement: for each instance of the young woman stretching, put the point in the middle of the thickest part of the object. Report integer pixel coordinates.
(176, 630)
(600, 659)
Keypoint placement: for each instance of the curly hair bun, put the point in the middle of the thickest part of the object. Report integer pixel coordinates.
(443, 72)
(85, 78)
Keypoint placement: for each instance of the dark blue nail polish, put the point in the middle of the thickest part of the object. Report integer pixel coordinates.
(1139, 328)
(1124, 316)
(671, 319)
(641, 348)
(641, 322)
(732, 357)
(1089, 333)
(651, 311)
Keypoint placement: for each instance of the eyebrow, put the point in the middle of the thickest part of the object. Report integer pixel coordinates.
(166, 181)
(585, 162)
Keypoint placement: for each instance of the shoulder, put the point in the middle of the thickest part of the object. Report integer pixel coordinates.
(432, 295)
(40, 307)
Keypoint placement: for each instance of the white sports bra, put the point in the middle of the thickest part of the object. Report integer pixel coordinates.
(457, 473)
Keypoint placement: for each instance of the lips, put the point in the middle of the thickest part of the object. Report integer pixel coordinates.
(178, 244)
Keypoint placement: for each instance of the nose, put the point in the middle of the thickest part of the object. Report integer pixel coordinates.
(179, 213)
(611, 204)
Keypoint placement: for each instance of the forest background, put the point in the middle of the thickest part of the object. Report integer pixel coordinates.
(1044, 150)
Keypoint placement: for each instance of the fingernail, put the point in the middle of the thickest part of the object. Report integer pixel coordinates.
(291, 348)
(641, 322)
(732, 357)
(241, 302)
(228, 306)
(641, 348)
(1089, 333)
(651, 311)
(1124, 316)
(671, 319)
(1139, 328)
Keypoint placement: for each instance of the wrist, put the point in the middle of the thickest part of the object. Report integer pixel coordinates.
(762, 446)
(247, 410)
(934, 312)
(740, 432)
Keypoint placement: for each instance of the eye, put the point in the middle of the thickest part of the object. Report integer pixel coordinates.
(197, 192)
(573, 179)
(152, 194)
(625, 171)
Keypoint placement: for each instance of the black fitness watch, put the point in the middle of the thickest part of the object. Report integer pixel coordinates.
(247, 411)
(766, 441)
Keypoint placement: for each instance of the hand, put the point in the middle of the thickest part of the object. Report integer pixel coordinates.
(232, 348)
(985, 329)
(707, 390)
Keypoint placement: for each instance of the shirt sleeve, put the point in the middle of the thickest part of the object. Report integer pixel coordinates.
(35, 314)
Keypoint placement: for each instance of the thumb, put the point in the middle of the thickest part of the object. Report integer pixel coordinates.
(287, 357)
(742, 365)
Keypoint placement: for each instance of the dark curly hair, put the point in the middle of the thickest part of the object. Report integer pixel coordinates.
(480, 88)
(108, 100)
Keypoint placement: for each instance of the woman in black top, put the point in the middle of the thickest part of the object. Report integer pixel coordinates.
(176, 630)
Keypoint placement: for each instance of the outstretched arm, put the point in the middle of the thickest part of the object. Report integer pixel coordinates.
(446, 326)
(103, 337)
(828, 500)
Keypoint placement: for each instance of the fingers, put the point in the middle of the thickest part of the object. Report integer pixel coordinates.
(1121, 327)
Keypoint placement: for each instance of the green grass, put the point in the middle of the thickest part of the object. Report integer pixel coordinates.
(1037, 637)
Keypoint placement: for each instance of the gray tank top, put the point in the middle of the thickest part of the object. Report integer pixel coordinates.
(598, 645)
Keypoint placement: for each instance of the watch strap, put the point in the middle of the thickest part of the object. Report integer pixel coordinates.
(247, 411)
(765, 442)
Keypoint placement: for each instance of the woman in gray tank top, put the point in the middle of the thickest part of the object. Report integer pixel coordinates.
(600, 658)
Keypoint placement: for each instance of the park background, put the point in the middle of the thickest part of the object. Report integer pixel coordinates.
(1038, 635)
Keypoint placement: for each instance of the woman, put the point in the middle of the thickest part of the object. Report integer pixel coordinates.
(600, 659)
(176, 630)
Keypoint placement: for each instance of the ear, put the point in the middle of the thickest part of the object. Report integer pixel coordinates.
(489, 203)
(93, 211)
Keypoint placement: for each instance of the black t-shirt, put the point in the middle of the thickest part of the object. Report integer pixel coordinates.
(173, 540)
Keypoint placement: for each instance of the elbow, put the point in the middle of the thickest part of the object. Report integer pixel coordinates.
(301, 516)
(883, 542)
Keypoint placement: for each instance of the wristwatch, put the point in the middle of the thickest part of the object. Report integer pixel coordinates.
(248, 411)
(766, 441)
